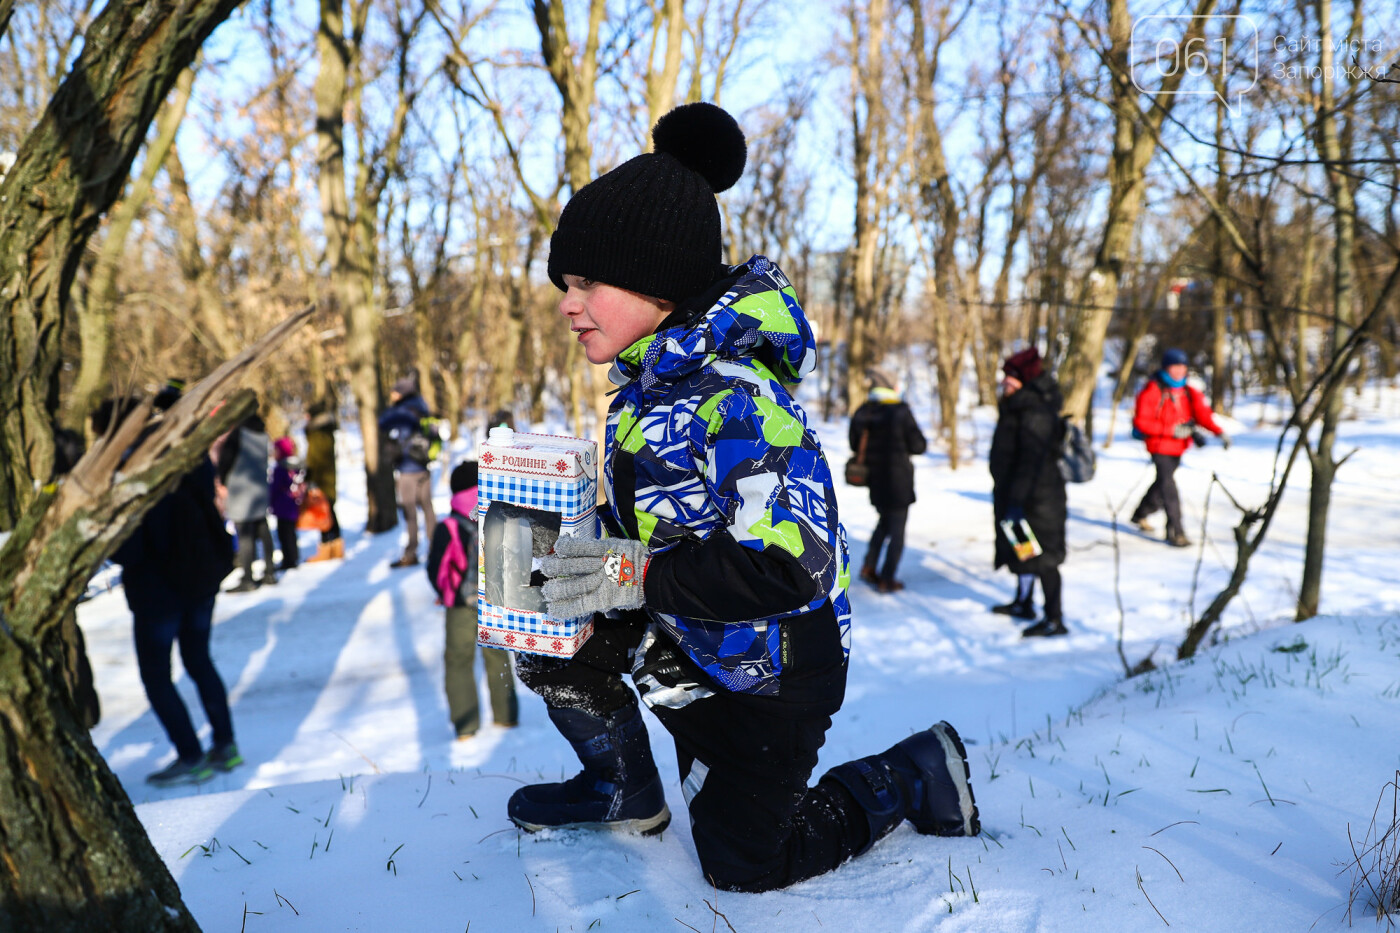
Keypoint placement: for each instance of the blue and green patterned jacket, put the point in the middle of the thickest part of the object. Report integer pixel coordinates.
(711, 463)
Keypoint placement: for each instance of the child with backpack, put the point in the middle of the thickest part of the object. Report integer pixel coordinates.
(452, 571)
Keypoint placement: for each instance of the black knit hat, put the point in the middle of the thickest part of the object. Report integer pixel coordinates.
(651, 225)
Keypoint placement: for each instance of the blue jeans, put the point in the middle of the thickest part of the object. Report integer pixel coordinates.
(155, 635)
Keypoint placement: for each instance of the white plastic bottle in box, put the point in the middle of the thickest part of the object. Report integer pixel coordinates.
(508, 535)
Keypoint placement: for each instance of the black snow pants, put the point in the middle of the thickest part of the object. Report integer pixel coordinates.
(757, 826)
(890, 528)
(1162, 494)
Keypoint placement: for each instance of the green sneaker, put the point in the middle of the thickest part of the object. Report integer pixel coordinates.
(223, 757)
(181, 772)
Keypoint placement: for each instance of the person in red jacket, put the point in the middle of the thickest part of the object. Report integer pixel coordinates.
(1168, 414)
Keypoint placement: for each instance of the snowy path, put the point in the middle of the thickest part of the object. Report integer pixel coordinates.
(336, 673)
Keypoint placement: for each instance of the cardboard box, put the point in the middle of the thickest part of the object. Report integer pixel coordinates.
(538, 482)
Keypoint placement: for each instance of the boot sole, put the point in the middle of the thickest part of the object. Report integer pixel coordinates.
(651, 826)
(192, 778)
(955, 753)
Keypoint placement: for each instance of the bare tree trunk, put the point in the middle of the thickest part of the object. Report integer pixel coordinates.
(424, 296)
(505, 354)
(661, 85)
(1220, 386)
(986, 351)
(942, 213)
(1137, 332)
(1134, 143)
(352, 238)
(75, 163)
(869, 118)
(576, 81)
(425, 357)
(1302, 320)
(1219, 341)
(452, 403)
(468, 350)
(1334, 149)
(199, 275)
(1220, 280)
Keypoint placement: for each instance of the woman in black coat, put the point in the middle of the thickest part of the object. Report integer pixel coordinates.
(172, 566)
(891, 437)
(1026, 484)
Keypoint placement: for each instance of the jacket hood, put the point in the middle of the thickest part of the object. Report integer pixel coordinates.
(758, 317)
(464, 502)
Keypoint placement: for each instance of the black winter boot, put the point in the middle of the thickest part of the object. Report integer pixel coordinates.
(1019, 608)
(923, 779)
(618, 787)
(1048, 627)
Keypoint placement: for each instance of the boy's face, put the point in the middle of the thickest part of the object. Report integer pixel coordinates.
(608, 320)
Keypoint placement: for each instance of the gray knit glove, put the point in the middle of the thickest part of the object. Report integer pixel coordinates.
(588, 575)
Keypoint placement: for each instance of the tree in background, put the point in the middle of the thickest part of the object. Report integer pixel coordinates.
(1136, 132)
(73, 856)
(872, 154)
(350, 209)
(73, 165)
(97, 305)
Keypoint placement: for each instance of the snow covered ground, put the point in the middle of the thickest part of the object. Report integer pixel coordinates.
(1213, 795)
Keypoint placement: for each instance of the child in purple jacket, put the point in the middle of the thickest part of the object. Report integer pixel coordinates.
(285, 499)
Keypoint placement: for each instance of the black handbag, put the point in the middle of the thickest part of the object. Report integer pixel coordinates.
(857, 471)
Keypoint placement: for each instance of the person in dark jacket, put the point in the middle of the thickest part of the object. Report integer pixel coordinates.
(720, 584)
(455, 540)
(171, 569)
(1166, 416)
(885, 427)
(401, 422)
(1026, 484)
(320, 472)
(283, 492)
(242, 460)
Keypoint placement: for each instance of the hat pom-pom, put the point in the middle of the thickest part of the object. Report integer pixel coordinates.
(705, 139)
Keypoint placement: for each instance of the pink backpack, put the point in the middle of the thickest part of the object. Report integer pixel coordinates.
(457, 559)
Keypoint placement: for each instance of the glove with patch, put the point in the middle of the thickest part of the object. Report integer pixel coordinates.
(1225, 441)
(588, 575)
(1181, 431)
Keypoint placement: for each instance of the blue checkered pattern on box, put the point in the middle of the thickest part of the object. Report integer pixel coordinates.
(527, 623)
(570, 498)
